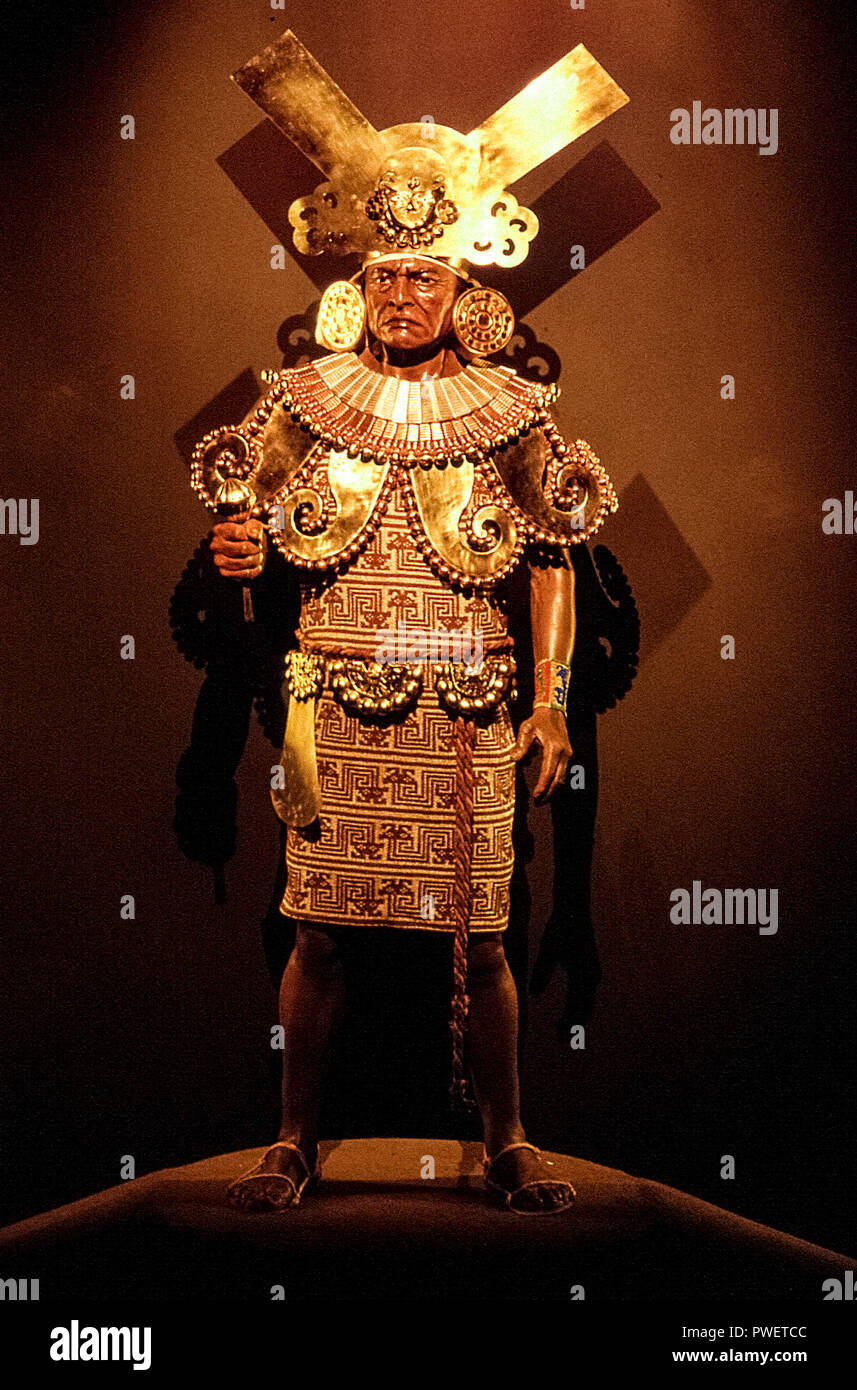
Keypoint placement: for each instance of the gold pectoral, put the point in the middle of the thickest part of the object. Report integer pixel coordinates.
(487, 545)
(356, 485)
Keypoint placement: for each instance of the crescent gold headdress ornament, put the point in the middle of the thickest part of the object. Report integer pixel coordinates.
(422, 189)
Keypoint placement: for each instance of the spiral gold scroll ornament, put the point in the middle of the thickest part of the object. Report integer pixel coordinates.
(221, 470)
(579, 486)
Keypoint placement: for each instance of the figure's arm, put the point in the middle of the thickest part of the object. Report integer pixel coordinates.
(553, 626)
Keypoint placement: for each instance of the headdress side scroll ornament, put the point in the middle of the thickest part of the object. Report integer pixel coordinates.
(418, 188)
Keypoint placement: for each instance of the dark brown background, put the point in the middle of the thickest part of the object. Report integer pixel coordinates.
(151, 1037)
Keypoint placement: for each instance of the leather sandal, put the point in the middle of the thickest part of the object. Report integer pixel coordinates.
(509, 1194)
(310, 1179)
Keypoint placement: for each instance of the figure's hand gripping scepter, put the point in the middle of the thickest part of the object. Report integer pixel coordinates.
(236, 501)
(247, 472)
(224, 476)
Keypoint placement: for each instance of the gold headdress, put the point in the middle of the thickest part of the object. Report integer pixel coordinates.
(422, 188)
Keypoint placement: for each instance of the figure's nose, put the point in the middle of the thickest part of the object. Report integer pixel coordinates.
(400, 290)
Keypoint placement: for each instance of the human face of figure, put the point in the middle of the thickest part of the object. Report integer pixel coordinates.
(409, 302)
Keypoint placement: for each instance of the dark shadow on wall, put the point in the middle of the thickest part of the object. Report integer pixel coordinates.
(595, 206)
(603, 669)
(669, 578)
(228, 407)
(243, 665)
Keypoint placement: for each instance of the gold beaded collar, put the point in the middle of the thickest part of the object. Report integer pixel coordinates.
(348, 406)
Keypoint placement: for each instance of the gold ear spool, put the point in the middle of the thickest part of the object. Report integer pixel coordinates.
(482, 320)
(341, 317)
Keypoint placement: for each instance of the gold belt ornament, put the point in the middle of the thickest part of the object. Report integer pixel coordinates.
(362, 686)
(370, 688)
(468, 690)
(304, 674)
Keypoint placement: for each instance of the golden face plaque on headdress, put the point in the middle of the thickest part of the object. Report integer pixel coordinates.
(409, 203)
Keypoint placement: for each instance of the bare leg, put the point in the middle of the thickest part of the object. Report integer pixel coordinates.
(311, 997)
(493, 1032)
(493, 1041)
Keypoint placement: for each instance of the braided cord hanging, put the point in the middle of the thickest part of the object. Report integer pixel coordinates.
(465, 740)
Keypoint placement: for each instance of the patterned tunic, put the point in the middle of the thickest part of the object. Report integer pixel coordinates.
(385, 853)
(395, 499)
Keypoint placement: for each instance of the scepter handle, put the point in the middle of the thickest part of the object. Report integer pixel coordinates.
(229, 511)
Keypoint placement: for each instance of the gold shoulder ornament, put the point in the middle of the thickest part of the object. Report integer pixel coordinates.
(482, 466)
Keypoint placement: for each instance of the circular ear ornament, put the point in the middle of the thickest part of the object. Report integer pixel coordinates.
(341, 317)
(482, 320)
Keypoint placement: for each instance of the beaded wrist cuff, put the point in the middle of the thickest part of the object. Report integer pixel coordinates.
(552, 684)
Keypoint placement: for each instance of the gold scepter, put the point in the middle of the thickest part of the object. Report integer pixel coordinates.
(243, 471)
(223, 469)
(235, 500)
